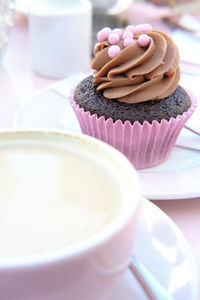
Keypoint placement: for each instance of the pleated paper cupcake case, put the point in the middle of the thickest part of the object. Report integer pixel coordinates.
(145, 145)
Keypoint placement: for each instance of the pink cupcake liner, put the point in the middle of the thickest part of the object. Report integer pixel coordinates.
(145, 145)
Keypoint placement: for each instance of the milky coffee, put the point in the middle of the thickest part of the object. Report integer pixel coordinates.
(54, 192)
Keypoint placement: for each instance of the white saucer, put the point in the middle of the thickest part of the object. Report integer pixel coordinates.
(163, 250)
(172, 179)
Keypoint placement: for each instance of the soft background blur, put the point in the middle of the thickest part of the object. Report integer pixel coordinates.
(167, 15)
(24, 90)
(18, 76)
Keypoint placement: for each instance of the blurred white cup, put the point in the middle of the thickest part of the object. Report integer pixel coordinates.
(60, 36)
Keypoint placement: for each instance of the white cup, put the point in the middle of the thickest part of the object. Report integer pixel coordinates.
(60, 36)
(87, 271)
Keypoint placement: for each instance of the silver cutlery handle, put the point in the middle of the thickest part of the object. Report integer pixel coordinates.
(192, 130)
(152, 288)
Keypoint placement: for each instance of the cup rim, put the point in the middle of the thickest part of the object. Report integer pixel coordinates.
(98, 239)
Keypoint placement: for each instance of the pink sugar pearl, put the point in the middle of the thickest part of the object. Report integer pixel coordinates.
(143, 28)
(128, 41)
(103, 34)
(147, 28)
(139, 28)
(113, 38)
(127, 34)
(143, 40)
(131, 28)
(113, 51)
(118, 31)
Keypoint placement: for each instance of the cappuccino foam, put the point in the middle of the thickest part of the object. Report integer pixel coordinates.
(52, 194)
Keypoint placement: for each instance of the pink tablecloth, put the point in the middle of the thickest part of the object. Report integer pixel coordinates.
(18, 81)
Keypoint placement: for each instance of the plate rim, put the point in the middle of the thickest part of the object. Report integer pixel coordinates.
(190, 193)
(178, 233)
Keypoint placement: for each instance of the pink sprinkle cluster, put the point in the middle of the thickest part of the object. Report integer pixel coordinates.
(127, 36)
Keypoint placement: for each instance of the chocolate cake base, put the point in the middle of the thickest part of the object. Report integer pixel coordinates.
(87, 97)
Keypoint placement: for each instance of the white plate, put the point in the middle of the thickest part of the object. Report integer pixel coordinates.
(176, 178)
(163, 250)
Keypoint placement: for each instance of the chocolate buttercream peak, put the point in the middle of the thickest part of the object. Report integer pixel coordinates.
(144, 68)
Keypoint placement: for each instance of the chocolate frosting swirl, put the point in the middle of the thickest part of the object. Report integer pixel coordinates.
(138, 74)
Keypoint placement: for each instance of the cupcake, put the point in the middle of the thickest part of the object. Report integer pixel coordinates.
(133, 100)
